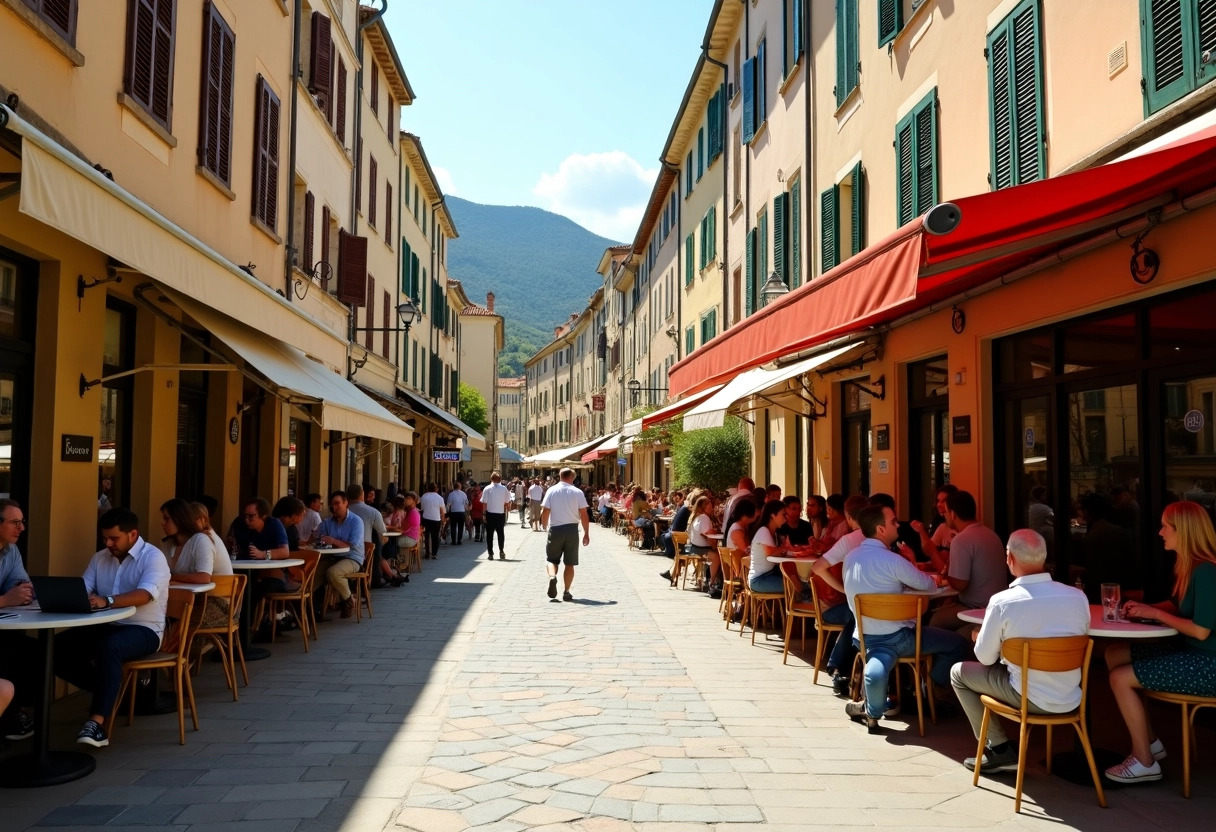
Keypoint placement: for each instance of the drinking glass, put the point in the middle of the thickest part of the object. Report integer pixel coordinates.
(1110, 602)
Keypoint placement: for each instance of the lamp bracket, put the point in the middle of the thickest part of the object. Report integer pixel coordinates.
(877, 391)
(1145, 262)
(83, 285)
(354, 365)
(320, 272)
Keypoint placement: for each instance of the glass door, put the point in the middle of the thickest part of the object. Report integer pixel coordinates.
(1028, 462)
(1189, 441)
(855, 467)
(929, 436)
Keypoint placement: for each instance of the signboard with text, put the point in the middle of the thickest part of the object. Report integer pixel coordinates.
(74, 448)
(445, 455)
(597, 403)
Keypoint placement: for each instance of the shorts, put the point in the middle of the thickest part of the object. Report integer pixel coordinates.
(534, 511)
(562, 545)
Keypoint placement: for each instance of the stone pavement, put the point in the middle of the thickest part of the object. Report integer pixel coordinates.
(473, 702)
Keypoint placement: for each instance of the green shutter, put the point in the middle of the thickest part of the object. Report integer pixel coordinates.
(712, 246)
(890, 20)
(1205, 27)
(926, 157)
(1168, 60)
(688, 175)
(1000, 118)
(916, 160)
(798, 47)
(749, 288)
(688, 265)
(748, 79)
(713, 322)
(780, 236)
(762, 253)
(1015, 85)
(847, 50)
(759, 67)
(796, 235)
(453, 391)
(858, 219)
(423, 283)
(700, 153)
(829, 228)
(405, 268)
(904, 172)
(690, 340)
(414, 281)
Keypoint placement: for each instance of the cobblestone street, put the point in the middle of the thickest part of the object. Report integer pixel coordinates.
(471, 701)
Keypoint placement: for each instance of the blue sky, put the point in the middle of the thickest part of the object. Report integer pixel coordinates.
(564, 105)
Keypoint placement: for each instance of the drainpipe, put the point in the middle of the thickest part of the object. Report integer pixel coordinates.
(807, 179)
(358, 120)
(726, 143)
(745, 153)
(289, 251)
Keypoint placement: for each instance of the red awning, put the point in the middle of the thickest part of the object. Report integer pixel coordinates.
(999, 232)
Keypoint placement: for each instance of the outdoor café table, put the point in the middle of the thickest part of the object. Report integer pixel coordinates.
(195, 588)
(253, 654)
(386, 534)
(804, 562)
(714, 535)
(43, 767)
(1072, 765)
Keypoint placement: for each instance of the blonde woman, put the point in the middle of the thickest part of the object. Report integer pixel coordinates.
(1186, 664)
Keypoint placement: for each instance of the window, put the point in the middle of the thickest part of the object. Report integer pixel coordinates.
(842, 219)
(716, 120)
(709, 325)
(794, 232)
(148, 75)
(709, 236)
(737, 169)
(890, 20)
(754, 85)
(700, 153)
(60, 15)
(690, 340)
(215, 106)
(375, 89)
(321, 60)
(688, 176)
(737, 66)
(1015, 86)
(848, 59)
(1176, 38)
(916, 159)
(339, 93)
(371, 190)
(388, 213)
(791, 36)
(310, 208)
(266, 156)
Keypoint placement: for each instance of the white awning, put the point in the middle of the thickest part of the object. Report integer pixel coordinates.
(711, 413)
(343, 407)
(632, 428)
(562, 454)
(62, 191)
(428, 408)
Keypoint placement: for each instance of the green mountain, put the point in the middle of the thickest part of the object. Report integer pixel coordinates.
(539, 265)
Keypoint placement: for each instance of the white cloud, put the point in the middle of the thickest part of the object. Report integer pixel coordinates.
(444, 177)
(605, 192)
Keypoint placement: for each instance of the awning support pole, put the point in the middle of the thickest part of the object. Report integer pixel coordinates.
(86, 385)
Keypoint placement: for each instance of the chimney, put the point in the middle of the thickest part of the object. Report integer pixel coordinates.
(490, 301)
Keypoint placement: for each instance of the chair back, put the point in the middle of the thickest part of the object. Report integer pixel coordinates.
(1049, 655)
(178, 615)
(311, 558)
(678, 539)
(728, 566)
(232, 589)
(889, 607)
(793, 585)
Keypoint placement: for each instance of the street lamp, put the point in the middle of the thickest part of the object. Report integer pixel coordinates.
(636, 388)
(406, 313)
(773, 289)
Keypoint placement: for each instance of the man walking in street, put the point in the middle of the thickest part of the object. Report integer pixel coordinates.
(432, 508)
(495, 498)
(563, 510)
(520, 501)
(458, 504)
(536, 493)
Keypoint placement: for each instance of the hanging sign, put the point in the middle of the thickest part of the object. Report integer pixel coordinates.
(234, 430)
(597, 403)
(445, 455)
(1193, 421)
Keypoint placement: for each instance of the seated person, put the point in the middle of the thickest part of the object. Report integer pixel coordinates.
(1034, 606)
(129, 572)
(1186, 664)
(679, 523)
(407, 520)
(838, 524)
(828, 571)
(935, 544)
(260, 536)
(977, 563)
(794, 531)
(191, 555)
(343, 528)
(817, 515)
(20, 657)
(872, 568)
(643, 517)
(907, 544)
(764, 576)
(312, 518)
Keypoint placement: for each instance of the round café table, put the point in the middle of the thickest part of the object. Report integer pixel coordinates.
(805, 562)
(255, 654)
(42, 766)
(197, 589)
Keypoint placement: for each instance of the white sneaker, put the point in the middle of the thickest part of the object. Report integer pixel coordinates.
(1132, 770)
(1157, 749)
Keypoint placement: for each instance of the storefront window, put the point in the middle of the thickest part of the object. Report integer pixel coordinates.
(1107, 342)
(1189, 441)
(1025, 357)
(191, 422)
(299, 438)
(10, 321)
(855, 468)
(929, 434)
(18, 288)
(1183, 330)
(114, 449)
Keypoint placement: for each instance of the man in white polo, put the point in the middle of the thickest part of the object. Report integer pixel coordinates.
(563, 510)
(496, 499)
(536, 493)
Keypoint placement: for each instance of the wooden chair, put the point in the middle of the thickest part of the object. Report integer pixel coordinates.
(758, 605)
(732, 583)
(684, 560)
(361, 584)
(173, 656)
(226, 638)
(898, 607)
(1190, 705)
(804, 610)
(1049, 655)
(410, 558)
(822, 629)
(303, 612)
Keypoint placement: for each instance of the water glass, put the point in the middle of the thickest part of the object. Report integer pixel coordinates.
(1110, 603)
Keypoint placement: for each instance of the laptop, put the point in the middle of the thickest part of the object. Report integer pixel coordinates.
(67, 595)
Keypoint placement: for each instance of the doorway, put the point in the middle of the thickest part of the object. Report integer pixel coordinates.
(18, 301)
(855, 436)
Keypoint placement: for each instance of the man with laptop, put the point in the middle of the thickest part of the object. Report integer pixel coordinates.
(129, 572)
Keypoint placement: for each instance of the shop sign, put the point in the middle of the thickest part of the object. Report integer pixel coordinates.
(445, 455)
(74, 448)
(962, 430)
(1029, 438)
(234, 430)
(882, 437)
(1193, 421)
(621, 461)
(597, 402)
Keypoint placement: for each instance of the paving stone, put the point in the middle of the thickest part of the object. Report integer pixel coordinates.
(492, 810)
(95, 814)
(148, 815)
(274, 809)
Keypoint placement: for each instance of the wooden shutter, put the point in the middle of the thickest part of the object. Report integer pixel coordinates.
(148, 78)
(829, 229)
(321, 58)
(266, 155)
(713, 121)
(690, 340)
(688, 264)
(406, 254)
(339, 96)
(375, 89)
(905, 171)
(371, 189)
(388, 213)
(749, 281)
(1027, 89)
(712, 234)
(369, 317)
(1165, 51)
(749, 99)
(415, 284)
(215, 104)
(760, 68)
(1000, 93)
(325, 273)
(329, 99)
(761, 254)
(60, 15)
(890, 20)
(847, 49)
(926, 158)
(359, 177)
(352, 269)
(1205, 26)
(857, 222)
(309, 209)
(796, 235)
(798, 44)
(781, 236)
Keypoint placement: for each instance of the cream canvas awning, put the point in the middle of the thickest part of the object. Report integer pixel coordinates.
(711, 413)
(563, 454)
(64, 192)
(425, 407)
(343, 407)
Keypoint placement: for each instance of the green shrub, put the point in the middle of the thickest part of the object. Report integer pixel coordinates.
(713, 458)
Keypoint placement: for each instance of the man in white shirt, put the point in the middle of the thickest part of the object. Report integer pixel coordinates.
(1034, 606)
(536, 493)
(872, 568)
(432, 508)
(496, 499)
(604, 503)
(373, 528)
(564, 508)
(129, 572)
(458, 506)
(312, 517)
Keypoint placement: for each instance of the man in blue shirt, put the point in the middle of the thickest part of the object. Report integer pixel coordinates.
(342, 528)
(19, 655)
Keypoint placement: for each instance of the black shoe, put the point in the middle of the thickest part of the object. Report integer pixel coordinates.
(856, 711)
(715, 592)
(566, 596)
(666, 576)
(552, 593)
(501, 556)
(489, 556)
(995, 762)
(22, 727)
(840, 684)
(92, 734)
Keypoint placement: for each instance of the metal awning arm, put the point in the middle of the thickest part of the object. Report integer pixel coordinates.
(86, 385)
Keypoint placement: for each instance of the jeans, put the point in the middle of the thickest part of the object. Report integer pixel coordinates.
(883, 651)
(768, 582)
(669, 548)
(430, 531)
(91, 659)
(495, 524)
(843, 651)
(970, 679)
(456, 527)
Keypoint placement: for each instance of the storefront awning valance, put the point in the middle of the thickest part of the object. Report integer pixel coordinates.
(343, 407)
(711, 413)
(473, 439)
(997, 234)
(671, 411)
(559, 455)
(606, 448)
(64, 192)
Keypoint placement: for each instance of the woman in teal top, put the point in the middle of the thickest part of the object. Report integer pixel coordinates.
(1186, 664)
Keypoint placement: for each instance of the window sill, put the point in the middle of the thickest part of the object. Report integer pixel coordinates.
(266, 229)
(736, 209)
(31, 18)
(760, 131)
(734, 102)
(846, 107)
(136, 109)
(789, 79)
(210, 176)
(912, 26)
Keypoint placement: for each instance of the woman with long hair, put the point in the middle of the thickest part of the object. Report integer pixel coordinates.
(817, 515)
(192, 554)
(764, 575)
(742, 513)
(1186, 664)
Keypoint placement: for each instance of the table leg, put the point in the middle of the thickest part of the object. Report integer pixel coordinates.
(252, 653)
(43, 767)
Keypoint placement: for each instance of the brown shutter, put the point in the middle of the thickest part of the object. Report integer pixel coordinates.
(388, 213)
(329, 99)
(387, 324)
(371, 189)
(340, 104)
(309, 211)
(325, 273)
(358, 177)
(215, 118)
(375, 90)
(148, 76)
(321, 54)
(60, 14)
(266, 155)
(369, 316)
(352, 269)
